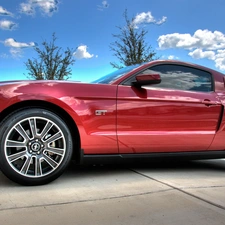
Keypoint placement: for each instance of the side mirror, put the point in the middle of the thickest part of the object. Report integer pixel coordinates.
(146, 79)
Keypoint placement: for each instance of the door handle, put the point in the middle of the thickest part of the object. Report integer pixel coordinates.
(208, 102)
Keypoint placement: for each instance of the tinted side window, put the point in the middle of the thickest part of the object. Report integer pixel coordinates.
(182, 78)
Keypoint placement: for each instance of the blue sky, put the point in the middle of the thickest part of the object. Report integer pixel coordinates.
(187, 30)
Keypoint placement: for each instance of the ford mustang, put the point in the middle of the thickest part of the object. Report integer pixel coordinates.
(158, 109)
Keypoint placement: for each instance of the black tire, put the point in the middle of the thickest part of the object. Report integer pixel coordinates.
(35, 146)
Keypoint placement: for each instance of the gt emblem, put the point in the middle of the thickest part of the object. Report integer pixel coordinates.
(100, 112)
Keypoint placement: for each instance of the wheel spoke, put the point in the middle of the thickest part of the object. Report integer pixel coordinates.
(16, 156)
(22, 132)
(38, 168)
(15, 144)
(47, 127)
(57, 151)
(26, 165)
(50, 161)
(54, 137)
(33, 127)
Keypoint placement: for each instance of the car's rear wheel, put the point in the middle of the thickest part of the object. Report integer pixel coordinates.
(35, 146)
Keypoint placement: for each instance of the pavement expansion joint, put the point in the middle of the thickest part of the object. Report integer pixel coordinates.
(180, 190)
(85, 200)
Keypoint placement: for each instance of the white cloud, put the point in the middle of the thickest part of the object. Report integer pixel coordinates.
(27, 9)
(217, 56)
(146, 18)
(47, 7)
(81, 53)
(220, 59)
(202, 44)
(10, 42)
(103, 6)
(16, 48)
(171, 57)
(199, 54)
(203, 39)
(176, 40)
(4, 12)
(16, 52)
(7, 25)
(163, 20)
(210, 40)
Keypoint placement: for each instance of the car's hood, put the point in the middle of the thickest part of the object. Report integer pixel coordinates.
(54, 89)
(36, 81)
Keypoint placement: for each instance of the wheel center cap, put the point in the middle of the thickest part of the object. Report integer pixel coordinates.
(35, 147)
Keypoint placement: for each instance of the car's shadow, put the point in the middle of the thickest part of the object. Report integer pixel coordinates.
(152, 166)
(82, 172)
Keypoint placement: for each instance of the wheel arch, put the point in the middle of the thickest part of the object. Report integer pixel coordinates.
(64, 115)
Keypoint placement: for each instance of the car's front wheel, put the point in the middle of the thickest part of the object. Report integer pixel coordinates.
(35, 146)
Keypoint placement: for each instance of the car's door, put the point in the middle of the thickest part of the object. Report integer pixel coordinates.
(179, 114)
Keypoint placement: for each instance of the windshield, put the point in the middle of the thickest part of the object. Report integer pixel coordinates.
(109, 78)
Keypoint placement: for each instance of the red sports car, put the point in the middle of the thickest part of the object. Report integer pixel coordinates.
(157, 109)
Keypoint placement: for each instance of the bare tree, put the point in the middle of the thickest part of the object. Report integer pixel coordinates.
(130, 46)
(52, 62)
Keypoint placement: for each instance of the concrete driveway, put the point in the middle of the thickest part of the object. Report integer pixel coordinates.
(157, 194)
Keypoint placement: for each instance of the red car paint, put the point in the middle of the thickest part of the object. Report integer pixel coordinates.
(114, 118)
